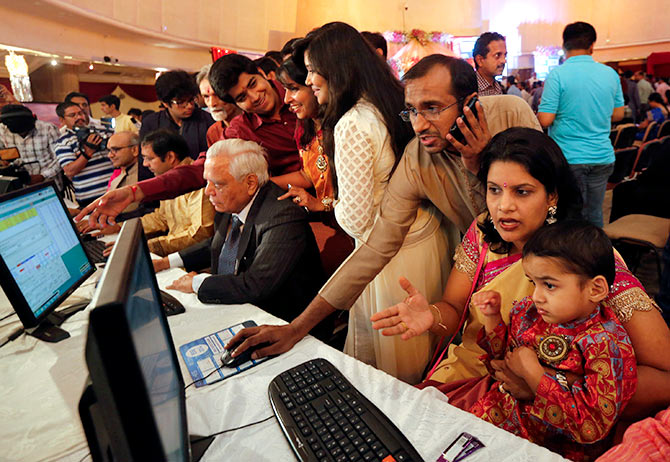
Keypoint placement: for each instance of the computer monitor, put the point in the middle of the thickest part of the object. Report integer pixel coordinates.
(42, 260)
(133, 407)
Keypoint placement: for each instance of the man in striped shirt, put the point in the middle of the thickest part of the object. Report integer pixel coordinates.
(84, 163)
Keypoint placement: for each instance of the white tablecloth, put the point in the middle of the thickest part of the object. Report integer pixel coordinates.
(40, 386)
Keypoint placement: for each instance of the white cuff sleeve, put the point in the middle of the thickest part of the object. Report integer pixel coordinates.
(175, 260)
(198, 279)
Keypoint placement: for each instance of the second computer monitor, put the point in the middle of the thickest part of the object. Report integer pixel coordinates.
(42, 260)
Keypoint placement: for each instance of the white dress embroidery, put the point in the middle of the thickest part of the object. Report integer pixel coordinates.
(363, 160)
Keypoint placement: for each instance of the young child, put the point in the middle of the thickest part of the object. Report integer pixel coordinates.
(561, 330)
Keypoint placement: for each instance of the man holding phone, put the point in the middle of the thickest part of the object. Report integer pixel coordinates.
(440, 95)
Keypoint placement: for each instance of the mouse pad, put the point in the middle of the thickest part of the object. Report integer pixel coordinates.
(202, 356)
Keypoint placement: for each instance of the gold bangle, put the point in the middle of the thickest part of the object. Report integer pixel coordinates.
(439, 315)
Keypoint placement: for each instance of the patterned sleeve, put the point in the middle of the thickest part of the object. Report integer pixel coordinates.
(355, 151)
(627, 294)
(493, 343)
(588, 410)
(466, 257)
(49, 162)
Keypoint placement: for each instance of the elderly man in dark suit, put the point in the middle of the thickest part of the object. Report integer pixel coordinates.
(263, 251)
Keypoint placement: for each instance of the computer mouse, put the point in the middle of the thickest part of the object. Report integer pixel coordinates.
(228, 361)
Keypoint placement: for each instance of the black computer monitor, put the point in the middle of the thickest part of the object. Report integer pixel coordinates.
(133, 407)
(42, 260)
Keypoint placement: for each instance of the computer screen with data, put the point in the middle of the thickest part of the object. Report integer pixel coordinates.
(42, 259)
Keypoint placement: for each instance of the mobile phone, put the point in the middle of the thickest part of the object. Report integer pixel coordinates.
(455, 131)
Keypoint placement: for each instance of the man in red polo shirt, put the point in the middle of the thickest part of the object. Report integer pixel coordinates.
(266, 120)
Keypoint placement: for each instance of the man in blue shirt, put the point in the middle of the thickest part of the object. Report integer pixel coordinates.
(513, 89)
(580, 100)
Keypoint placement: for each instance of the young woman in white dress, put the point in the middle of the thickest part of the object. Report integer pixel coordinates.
(364, 137)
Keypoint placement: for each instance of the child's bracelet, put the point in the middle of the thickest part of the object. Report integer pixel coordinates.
(439, 317)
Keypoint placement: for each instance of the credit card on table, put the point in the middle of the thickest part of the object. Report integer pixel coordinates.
(464, 445)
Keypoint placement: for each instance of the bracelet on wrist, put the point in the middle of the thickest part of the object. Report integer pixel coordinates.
(439, 318)
(133, 188)
(327, 203)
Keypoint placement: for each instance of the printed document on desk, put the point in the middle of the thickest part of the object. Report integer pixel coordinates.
(202, 356)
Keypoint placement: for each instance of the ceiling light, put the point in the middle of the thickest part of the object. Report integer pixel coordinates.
(90, 66)
(54, 62)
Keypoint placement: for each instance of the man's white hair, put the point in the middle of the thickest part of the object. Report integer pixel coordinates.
(203, 74)
(245, 157)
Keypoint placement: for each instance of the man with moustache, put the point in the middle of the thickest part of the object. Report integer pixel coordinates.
(82, 162)
(222, 112)
(490, 55)
(435, 168)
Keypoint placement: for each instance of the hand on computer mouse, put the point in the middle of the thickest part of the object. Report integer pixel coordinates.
(227, 359)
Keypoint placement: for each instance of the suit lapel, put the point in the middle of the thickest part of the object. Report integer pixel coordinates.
(116, 181)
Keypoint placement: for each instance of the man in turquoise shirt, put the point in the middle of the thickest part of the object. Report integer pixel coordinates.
(580, 100)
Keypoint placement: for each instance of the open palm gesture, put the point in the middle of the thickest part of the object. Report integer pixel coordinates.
(409, 318)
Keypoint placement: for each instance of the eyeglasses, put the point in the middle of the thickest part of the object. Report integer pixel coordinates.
(116, 149)
(429, 114)
(184, 103)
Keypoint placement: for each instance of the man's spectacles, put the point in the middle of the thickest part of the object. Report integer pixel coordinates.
(429, 114)
(116, 149)
(184, 103)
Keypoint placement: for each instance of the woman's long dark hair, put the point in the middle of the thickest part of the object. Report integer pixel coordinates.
(354, 70)
(543, 159)
(290, 69)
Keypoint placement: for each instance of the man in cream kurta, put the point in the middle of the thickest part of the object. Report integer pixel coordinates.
(187, 219)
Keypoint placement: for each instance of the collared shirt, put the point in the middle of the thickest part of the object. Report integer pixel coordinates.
(486, 88)
(37, 149)
(276, 136)
(91, 181)
(583, 94)
(176, 261)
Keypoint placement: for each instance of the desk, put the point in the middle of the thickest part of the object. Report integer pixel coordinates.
(40, 386)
